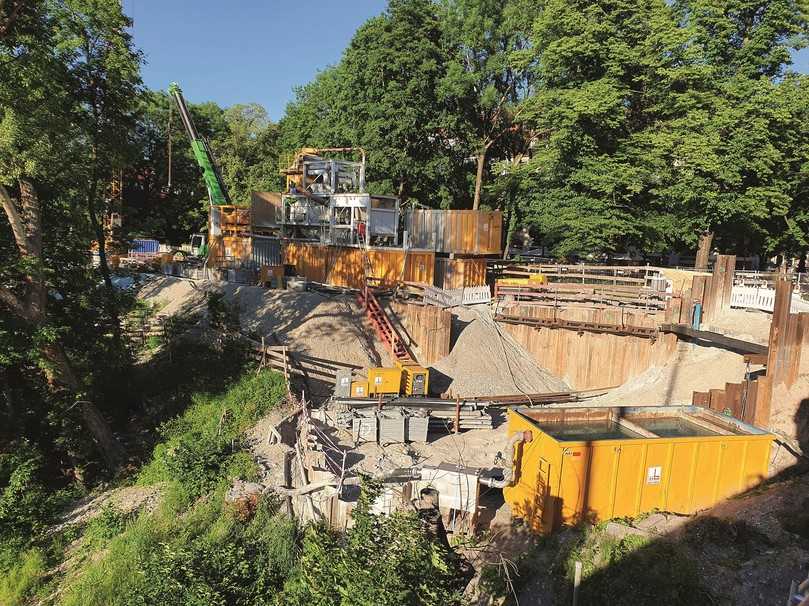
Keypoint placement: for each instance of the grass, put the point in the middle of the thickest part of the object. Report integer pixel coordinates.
(632, 571)
(21, 579)
(190, 550)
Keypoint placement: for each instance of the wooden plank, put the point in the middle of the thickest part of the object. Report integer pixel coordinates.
(700, 398)
(778, 329)
(759, 358)
(803, 346)
(761, 415)
(733, 398)
(716, 399)
(714, 338)
(749, 401)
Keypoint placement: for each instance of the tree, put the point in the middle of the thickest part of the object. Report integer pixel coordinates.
(748, 120)
(247, 152)
(488, 74)
(104, 74)
(601, 73)
(39, 146)
(381, 561)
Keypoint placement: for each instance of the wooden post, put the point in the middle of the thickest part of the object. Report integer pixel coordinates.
(457, 415)
(576, 582)
(703, 250)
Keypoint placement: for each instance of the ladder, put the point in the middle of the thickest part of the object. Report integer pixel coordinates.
(384, 328)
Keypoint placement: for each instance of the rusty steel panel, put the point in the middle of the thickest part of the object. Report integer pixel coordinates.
(470, 232)
(344, 265)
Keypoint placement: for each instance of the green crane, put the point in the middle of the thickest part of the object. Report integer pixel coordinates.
(217, 192)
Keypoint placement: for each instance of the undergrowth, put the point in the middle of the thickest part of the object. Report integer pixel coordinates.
(633, 571)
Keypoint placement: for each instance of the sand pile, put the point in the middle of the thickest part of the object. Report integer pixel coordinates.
(693, 368)
(485, 360)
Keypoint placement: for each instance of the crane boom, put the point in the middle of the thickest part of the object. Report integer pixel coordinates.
(217, 192)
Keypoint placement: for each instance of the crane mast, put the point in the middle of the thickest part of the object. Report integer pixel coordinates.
(217, 192)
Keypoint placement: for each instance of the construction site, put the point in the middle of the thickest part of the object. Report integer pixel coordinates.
(515, 399)
(404, 302)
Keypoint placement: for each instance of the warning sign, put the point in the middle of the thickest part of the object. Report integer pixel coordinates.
(653, 475)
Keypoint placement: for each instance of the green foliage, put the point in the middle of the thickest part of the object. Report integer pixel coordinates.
(198, 447)
(108, 523)
(25, 503)
(634, 571)
(198, 555)
(381, 560)
(18, 582)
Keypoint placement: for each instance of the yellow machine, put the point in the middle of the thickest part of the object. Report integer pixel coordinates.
(532, 280)
(384, 381)
(405, 379)
(415, 379)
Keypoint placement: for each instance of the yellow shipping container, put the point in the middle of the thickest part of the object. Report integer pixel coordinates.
(591, 464)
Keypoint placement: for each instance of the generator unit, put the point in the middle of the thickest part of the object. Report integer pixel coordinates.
(384, 381)
(408, 379)
(415, 379)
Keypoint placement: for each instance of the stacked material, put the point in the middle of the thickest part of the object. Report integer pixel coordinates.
(442, 420)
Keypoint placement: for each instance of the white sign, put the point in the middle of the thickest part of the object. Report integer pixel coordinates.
(653, 475)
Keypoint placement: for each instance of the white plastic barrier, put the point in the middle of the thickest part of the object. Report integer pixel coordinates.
(750, 297)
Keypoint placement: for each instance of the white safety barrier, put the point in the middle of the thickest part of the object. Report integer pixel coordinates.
(457, 296)
(751, 297)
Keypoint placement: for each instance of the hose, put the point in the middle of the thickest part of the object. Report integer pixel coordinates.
(508, 474)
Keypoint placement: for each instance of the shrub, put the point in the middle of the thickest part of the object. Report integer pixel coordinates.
(200, 447)
(634, 571)
(382, 560)
(25, 504)
(109, 523)
(203, 556)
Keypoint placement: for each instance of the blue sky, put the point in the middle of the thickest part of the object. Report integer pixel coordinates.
(241, 51)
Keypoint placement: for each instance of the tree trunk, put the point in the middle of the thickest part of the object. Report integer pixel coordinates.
(27, 229)
(111, 301)
(61, 374)
(703, 250)
(479, 177)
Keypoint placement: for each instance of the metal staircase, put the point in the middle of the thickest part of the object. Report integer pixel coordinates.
(383, 326)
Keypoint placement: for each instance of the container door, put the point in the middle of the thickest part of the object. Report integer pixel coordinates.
(628, 480)
(601, 482)
(731, 468)
(706, 471)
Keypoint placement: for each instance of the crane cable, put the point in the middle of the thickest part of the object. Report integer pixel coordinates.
(168, 185)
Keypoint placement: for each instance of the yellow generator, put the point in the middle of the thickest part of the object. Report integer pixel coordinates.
(415, 379)
(384, 381)
(359, 389)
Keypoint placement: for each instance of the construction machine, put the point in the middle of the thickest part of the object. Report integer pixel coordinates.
(217, 192)
(406, 378)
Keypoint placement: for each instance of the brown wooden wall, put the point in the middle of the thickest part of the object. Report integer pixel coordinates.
(618, 317)
(224, 251)
(429, 327)
(712, 291)
(460, 273)
(788, 354)
(344, 265)
(463, 232)
(589, 360)
(748, 400)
